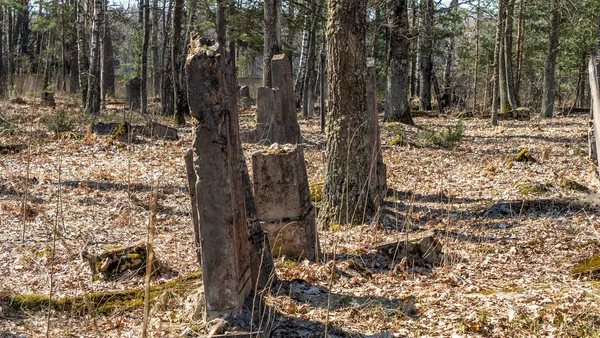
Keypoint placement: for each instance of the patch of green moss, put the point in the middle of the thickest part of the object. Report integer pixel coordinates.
(336, 227)
(570, 184)
(103, 302)
(524, 156)
(588, 266)
(397, 141)
(288, 263)
(316, 192)
(486, 292)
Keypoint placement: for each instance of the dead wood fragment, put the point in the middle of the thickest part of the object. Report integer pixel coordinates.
(421, 248)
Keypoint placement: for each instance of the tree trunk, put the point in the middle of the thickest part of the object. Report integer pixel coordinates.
(10, 64)
(82, 61)
(92, 105)
(413, 59)
(476, 67)
(498, 57)
(346, 197)
(167, 75)
(108, 64)
(508, 55)
(425, 53)
(3, 86)
(272, 43)
(145, 43)
(156, 66)
(396, 99)
(550, 65)
(302, 63)
(310, 74)
(519, 53)
(177, 58)
(447, 80)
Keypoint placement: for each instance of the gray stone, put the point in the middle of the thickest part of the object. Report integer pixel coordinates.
(219, 189)
(269, 128)
(133, 94)
(283, 201)
(244, 92)
(282, 78)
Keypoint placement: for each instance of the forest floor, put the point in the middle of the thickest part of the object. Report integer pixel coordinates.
(511, 232)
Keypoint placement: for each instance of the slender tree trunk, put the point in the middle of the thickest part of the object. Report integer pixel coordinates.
(272, 43)
(498, 57)
(310, 74)
(156, 67)
(302, 63)
(168, 95)
(425, 53)
(447, 84)
(413, 58)
(3, 87)
(550, 65)
(10, 64)
(82, 61)
(92, 105)
(346, 197)
(508, 55)
(476, 67)
(178, 56)
(108, 64)
(396, 99)
(519, 53)
(145, 43)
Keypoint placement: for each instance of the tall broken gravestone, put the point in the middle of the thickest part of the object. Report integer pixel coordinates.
(283, 78)
(219, 189)
(283, 201)
(276, 117)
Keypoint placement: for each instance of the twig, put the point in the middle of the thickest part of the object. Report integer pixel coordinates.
(149, 258)
(330, 286)
(53, 253)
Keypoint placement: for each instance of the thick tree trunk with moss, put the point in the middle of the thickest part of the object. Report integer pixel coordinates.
(396, 100)
(346, 197)
(550, 65)
(272, 43)
(425, 53)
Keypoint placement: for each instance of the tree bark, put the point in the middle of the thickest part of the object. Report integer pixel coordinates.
(396, 99)
(498, 57)
(3, 86)
(167, 75)
(82, 61)
(476, 67)
(156, 64)
(310, 74)
(346, 198)
(425, 53)
(519, 53)
(272, 43)
(145, 43)
(177, 58)
(413, 59)
(108, 64)
(92, 105)
(550, 64)
(447, 80)
(508, 55)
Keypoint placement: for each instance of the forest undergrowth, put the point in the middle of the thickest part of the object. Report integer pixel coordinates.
(512, 231)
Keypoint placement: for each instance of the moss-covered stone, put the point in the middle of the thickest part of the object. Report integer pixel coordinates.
(588, 266)
(524, 156)
(102, 302)
(569, 184)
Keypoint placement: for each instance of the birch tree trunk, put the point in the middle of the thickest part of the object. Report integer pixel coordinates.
(346, 197)
(396, 99)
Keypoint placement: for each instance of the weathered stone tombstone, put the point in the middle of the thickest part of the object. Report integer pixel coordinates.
(47, 99)
(133, 94)
(244, 92)
(283, 78)
(378, 168)
(269, 127)
(232, 256)
(283, 201)
(219, 191)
